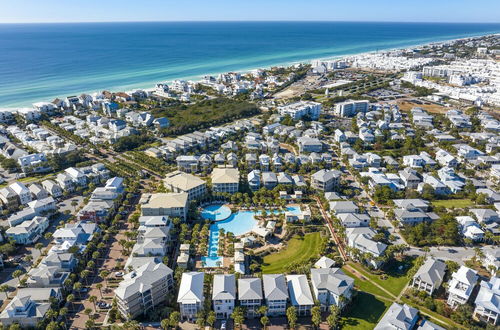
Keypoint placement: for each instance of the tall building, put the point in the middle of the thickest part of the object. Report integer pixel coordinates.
(143, 289)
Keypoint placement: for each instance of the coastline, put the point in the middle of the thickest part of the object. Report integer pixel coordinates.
(149, 85)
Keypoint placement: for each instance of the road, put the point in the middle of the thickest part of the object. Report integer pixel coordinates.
(453, 253)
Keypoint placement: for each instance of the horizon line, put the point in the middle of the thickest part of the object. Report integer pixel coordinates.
(249, 21)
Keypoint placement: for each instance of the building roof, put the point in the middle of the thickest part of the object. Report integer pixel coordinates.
(275, 287)
(331, 279)
(225, 175)
(428, 325)
(324, 262)
(300, 292)
(432, 271)
(250, 288)
(224, 287)
(191, 288)
(401, 317)
(326, 175)
(167, 200)
(142, 279)
(489, 295)
(183, 181)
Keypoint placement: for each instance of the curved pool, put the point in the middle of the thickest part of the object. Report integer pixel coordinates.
(216, 212)
(239, 223)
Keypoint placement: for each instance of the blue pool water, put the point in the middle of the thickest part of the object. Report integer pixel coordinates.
(238, 223)
(215, 212)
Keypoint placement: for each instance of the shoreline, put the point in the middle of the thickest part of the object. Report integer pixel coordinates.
(197, 78)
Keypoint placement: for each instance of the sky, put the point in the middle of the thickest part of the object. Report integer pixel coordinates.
(36, 11)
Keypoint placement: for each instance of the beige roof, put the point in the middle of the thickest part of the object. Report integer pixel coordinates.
(225, 175)
(167, 200)
(183, 181)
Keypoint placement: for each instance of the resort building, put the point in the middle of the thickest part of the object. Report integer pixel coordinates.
(225, 180)
(223, 295)
(29, 231)
(398, 317)
(326, 180)
(300, 109)
(181, 182)
(488, 301)
(143, 289)
(250, 295)
(191, 296)
(300, 294)
(329, 284)
(429, 276)
(24, 311)
(461, 285)
(275, 293)
(174, 205)
(351, 108)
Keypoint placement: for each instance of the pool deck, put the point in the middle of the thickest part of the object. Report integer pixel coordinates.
(213, 258)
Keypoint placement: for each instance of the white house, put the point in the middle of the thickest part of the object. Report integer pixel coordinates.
(488, 301)
(461, 285)
(191, 296)
(275, 294)
(329, 284)
(223, 295)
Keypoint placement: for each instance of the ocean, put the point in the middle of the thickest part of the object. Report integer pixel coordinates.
(39, 62)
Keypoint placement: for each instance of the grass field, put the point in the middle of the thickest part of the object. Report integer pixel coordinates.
(456, 203)
(366, 286)
(364, 312)
(298, 249)
(396, 279)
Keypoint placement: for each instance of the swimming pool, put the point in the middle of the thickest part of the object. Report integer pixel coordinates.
(238, 223)
(215, 212)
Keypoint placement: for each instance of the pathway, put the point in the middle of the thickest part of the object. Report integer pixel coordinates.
(329, 223)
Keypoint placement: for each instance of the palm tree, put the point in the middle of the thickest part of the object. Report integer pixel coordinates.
(264, 320)
(17, 273)
(174, 319)
(165, 324)
(5, 288)
(63, 312)
(89, 324)
(77, 286)
(84, 275)
(291, 315)
(99, 287)
(316, 316)
(93, 300)
(70, 299)
(87, 312)
(74, 203)
(39, 247)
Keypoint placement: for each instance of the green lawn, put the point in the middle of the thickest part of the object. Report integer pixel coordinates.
(366, 286)
(456, 203)
(364, 312)
(298, 249)
(396, 278)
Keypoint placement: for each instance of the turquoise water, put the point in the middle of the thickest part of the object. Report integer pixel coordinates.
(39, 62)
(238, 223)
(215, 212)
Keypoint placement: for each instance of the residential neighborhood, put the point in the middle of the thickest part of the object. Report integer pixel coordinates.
(236, 202)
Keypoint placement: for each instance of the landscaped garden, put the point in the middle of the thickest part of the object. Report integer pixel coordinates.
(394, 277)
(364, 312)
(456, 203)
(299, 249)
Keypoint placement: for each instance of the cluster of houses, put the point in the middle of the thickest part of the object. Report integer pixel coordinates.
(45, 282)
(35, 138)
(461, 285)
